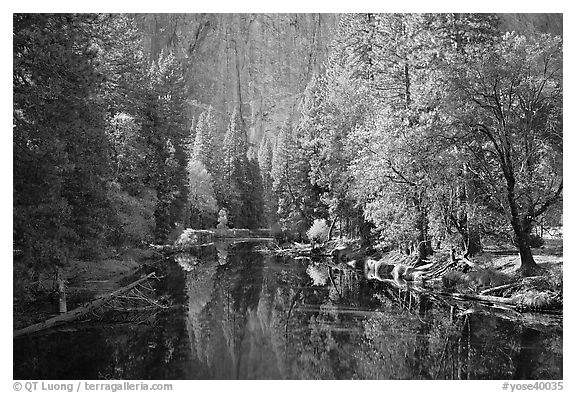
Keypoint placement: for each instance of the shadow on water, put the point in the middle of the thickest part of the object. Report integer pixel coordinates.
(246, 315)
(86, 350)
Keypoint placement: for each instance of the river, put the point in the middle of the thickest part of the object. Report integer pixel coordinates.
(242, 314)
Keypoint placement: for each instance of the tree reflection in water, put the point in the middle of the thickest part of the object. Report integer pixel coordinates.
(242, 314)
(269, 317)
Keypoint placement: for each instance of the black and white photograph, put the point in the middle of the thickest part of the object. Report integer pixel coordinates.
(287, 196)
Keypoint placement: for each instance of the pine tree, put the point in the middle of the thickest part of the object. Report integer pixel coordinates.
(164, 126)
(296, 199)
(60, 149)
(204, 149)
(265, 165)
(234, 169)
(201, 197)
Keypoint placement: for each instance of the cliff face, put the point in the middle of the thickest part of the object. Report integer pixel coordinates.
(529, 24)
(263, 61)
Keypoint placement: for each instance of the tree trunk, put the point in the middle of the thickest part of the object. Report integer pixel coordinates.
(473, 242)
(424, 245)
(521, 226)
(466, 223)
(365, 228)
(62, 308)
(528, 265)
(522, 229)
(332, 227)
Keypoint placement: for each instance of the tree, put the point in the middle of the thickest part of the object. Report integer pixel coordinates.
(291, 184)
(234, 166)
(122, 62)
(265, 153)
(510, 115)
(461, 196)
(204, 147)
(333, 105)
(399, 146)
(201, 196)
(394, 172)
(384, 57)
(60, 149)
(253, 196)
(127, 147)
(163, 127)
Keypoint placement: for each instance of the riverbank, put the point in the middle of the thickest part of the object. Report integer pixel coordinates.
(492, 278)
(85, 280)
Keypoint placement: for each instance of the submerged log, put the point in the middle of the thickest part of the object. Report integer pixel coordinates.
(79, 311)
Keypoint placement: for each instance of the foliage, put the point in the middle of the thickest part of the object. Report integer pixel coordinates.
(127, 148)
(204, 147)
(510, 120)
(318, 232)
(97, 137)
(422, 128)
(134, 216)
(60, 152)
(190, 238)
(164, 127)
(297, 199)
(201, 197)
(222, 219)
(241, 180)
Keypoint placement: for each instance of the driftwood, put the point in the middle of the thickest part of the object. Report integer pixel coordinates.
(494, 289)
(79, 311)
(480, 298)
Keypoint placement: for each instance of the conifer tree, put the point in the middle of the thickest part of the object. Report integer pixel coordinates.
(201, 197)
(60, 149)
(234, 168)
(164, 126)
(204, 143)
(265, 165)
(296, 199)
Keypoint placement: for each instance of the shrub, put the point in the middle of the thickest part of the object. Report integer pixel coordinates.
(186, 239)
(222, 219)
(318, 274)
(318, 232)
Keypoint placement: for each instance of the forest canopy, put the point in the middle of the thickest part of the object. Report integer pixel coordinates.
(405, 130)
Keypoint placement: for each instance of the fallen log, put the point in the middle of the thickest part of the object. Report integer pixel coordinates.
(79, 311)
(480, 298)
(494, 289)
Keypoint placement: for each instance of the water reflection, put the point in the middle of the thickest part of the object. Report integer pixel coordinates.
(241, 314)
(222, 249)
(90, 350)
(265, 317)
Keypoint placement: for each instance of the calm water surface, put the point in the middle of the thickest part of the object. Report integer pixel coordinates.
(240, 314)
